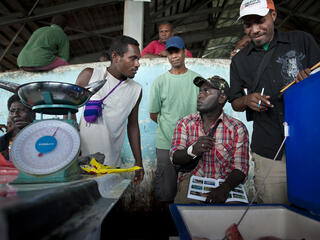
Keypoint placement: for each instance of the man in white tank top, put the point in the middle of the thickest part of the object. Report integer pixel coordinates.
(106, 134)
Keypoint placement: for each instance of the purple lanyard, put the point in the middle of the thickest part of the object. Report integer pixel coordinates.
(111, 91)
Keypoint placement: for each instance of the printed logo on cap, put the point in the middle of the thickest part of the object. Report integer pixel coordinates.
(249, 3)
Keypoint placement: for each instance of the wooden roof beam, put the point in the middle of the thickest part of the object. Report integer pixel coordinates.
(40, 13)
(164, 9)
(300, 15)
(193, 13)
(209, 34)
(186, 15)
(95, 33)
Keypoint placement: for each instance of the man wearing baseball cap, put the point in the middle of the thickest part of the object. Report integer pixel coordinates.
(220, 141)
(173, 95)
(267, 64)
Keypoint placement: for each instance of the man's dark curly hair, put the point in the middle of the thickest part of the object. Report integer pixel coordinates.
(12, 99)
(120, 44)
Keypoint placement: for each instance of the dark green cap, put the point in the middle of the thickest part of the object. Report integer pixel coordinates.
(215, 81)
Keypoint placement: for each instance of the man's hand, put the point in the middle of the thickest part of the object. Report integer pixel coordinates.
(2, 126)
(219, 194)
(303, 74)
(163, 53)
(252, 101)
(204, 144)
(138, 176)
(233, 233)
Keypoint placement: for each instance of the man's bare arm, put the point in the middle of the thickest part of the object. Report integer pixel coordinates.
(134, 140)
(154, 117)
(82, 81)
(84, 77)
(239, 104)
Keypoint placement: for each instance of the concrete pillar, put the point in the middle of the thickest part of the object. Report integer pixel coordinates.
(133, 20)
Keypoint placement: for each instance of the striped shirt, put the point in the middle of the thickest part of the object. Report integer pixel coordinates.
(230, 151)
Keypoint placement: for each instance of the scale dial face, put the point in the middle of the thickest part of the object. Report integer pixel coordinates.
(45, 147)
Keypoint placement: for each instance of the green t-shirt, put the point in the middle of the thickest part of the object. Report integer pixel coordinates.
(173, 97)
(44, 46)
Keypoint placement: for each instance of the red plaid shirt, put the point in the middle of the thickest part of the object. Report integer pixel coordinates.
(230, 151)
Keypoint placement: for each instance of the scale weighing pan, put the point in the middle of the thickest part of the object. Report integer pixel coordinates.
(54, 98)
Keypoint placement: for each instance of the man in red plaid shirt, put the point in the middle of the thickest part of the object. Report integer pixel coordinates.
(222, 154)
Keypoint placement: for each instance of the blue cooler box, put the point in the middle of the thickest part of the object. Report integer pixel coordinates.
(302, 113)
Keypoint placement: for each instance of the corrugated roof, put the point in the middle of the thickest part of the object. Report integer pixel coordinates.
(209, 28)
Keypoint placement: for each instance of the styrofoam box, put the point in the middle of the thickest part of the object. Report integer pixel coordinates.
(261, 220)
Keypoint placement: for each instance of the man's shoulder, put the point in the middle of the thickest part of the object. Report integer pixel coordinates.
(153, 42)
(190, 119)
(84, 77)
(40, 31)
(55, 30)
(193, 73)
(167, 75)
(4, 140)
(294, 35)
(134, 83)
(241, 56)
(162, 77)
(88, 71)
(233, 122)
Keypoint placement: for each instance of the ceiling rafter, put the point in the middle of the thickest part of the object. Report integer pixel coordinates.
(164, 9)
(297, 14)
(198, 36)
(203, 24)
(53, 10)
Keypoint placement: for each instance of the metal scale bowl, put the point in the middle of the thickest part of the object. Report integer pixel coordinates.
(47, 150)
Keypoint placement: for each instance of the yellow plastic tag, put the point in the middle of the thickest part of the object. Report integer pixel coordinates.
(97, 168)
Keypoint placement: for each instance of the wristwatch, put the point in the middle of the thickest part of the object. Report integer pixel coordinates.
(189, 151)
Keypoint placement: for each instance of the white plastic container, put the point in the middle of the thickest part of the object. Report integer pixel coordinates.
(261, 220)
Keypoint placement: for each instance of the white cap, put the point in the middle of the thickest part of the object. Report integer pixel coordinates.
(255, 7)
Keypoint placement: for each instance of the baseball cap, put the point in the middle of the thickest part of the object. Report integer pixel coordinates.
(215, 81)
(255, 7)
(175, 42)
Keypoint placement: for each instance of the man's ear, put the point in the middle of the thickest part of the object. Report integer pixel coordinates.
(222, 97)
(274, 15)
(115, 57)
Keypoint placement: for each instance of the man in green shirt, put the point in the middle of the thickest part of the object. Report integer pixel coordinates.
(47, 48)
(173, 96)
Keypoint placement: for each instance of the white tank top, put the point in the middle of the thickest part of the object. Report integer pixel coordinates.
(106, 135)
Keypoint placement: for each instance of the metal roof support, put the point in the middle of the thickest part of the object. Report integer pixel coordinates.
(133, 20)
